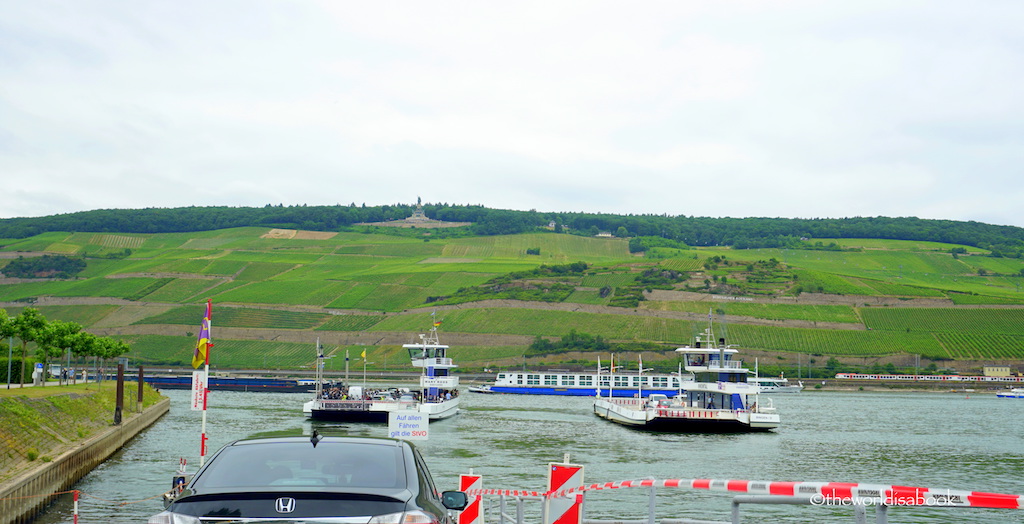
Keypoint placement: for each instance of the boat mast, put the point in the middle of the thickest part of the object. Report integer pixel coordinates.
(318, 388)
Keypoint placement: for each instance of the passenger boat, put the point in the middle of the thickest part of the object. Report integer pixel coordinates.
(718, 400)
(622, 383)
(437, 396)
(1011, 393)
(776, 384)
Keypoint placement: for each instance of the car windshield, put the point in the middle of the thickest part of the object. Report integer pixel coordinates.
(291, 465)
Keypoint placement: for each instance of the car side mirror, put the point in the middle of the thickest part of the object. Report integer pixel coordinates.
(456, 500)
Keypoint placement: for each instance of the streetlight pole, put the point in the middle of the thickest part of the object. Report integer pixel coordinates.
(10, 351)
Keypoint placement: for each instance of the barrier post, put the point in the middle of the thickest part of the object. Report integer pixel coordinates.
(472, 514)
(564, 510)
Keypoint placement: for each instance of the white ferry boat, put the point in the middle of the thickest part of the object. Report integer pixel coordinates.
(718, 400)
(437, 396)
(621, 383)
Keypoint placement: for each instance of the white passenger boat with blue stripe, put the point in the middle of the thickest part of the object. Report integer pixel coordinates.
(621, 383)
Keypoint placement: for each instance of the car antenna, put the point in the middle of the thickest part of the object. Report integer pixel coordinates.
(315, 438)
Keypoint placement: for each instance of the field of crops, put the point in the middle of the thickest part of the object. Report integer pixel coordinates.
(84, 315)
(240, 317)
(836, 342)
(392, 274)
(822, 282)
(515, 321)
(982, 346)
(155, 350)
(811, 313)
(987, 321)
(350, 322)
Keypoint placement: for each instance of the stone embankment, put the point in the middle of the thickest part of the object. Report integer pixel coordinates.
(22, 497)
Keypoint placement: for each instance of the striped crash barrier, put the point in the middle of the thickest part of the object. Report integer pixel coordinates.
(824, 493)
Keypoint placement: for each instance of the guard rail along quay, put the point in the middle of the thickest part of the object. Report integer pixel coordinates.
(564, 502)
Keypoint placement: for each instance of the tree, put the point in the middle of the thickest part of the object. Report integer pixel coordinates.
(54, 338)
(7, 330)
(6, 325)
(85, 344)
(27, 327)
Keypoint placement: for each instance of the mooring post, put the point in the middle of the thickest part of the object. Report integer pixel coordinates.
(119, 405)
(139, 396)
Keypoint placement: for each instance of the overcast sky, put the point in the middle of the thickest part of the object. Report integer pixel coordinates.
(717, 108)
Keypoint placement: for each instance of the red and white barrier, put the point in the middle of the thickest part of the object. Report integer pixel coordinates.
(567, 508)
(828, 493)
(473, 514)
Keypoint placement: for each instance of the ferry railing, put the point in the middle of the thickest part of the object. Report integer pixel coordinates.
(856, 496)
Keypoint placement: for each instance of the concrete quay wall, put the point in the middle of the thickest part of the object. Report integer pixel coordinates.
(23, 497)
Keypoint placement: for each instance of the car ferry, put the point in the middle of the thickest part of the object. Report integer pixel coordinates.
(718, 400)
(437, 396)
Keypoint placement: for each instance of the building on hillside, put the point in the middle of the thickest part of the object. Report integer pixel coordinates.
(996, 371)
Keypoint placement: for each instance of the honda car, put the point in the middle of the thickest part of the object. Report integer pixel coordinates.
(330, 480)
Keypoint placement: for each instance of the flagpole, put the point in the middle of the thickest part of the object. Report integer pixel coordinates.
(206, 371)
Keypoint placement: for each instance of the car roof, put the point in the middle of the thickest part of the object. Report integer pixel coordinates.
(306, 439)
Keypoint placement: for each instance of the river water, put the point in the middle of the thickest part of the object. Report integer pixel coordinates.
(969, 441)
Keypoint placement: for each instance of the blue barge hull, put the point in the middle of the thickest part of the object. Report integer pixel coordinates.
(231, 383)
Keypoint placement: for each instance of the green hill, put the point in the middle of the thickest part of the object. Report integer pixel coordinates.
(860, 301)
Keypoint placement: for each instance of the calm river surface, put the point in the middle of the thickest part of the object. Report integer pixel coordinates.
(936, 440)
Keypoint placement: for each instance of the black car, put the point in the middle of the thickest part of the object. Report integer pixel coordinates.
(314, 480)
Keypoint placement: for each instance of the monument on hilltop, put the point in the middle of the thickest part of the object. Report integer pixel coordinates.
(417, 214)
(418, 219)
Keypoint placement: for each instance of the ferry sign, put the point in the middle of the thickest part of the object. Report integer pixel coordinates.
(408, 425)
(438, 382)
(199, 386)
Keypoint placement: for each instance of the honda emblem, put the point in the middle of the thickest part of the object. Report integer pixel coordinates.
(285, 505)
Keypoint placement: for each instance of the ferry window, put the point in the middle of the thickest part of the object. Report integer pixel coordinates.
(621, 381)
(586, 380)
(533, 380)
(605, 381)
(569, 380)
(660, 381)
(501, 376)
(550, 380)
(635, 381)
